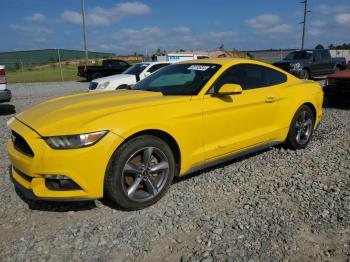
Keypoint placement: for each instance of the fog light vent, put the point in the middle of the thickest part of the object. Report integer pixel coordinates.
(60, 183)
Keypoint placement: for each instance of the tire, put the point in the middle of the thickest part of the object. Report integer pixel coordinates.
(96, 75)
(131, 181)
(123, 87)
(305, 74)
(301, 129)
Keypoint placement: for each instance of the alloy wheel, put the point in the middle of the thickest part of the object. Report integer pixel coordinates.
(145, 174)
(303, 127)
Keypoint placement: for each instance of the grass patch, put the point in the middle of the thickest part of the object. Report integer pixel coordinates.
(48, 73)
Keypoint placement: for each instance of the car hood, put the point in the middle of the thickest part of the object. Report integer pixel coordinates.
(114, 78)
(69, 115)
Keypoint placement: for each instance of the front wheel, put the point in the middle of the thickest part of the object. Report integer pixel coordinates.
(140, 172)
(305, 74)
(96, 76)
(301, 128)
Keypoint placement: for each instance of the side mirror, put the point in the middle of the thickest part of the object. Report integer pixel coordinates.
(229, 89)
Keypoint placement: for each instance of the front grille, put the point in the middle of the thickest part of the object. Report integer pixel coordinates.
(93, 85)
(21, 174)
(21, 145)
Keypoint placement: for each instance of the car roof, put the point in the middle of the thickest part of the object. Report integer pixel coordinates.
(222, 61)
(227, 62)
(154, 63)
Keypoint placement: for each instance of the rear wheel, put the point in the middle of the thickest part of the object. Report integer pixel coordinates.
(140, 172)
(301, 128)
(123, 87)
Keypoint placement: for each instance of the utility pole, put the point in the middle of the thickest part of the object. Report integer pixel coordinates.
(60, 63)
(84, 30)
(304, 22)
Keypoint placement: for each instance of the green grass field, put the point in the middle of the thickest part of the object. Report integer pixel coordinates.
(43, 74)
(46, 73)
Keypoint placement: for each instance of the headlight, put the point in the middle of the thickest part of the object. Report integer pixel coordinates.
(297, 66)
(103, 85)
(74, 141)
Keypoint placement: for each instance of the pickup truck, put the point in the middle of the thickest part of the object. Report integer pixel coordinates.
(310, 63)
(5, 94)
(108, 67)
(128, 78)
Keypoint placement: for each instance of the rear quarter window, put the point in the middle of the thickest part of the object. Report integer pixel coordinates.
(274, 77)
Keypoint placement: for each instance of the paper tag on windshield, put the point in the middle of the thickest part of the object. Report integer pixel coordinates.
(198, 67)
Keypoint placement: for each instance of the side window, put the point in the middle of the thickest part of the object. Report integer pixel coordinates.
(114, 63)
(122, 63)
(326, 55)
(317, 56)
(274, 77)
(156, 67)
(248, 76)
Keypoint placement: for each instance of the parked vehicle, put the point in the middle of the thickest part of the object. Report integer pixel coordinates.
(310, 63)
(5, 94)
(128, 78)
(338, 83)
(130, 144)
(179, 57)
(108, 67)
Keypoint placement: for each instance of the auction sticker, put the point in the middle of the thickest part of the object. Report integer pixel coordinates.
(198, 67)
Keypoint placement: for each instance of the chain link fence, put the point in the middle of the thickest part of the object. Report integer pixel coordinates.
(46, 65)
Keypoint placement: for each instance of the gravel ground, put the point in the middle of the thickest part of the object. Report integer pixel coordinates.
(274, 205)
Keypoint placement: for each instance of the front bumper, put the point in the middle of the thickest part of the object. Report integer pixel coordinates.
(85, 166)
(295, 72)
(5, 95)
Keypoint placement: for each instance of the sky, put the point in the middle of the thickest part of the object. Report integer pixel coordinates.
(125, 27)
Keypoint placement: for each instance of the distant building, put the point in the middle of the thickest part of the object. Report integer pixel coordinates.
(215, 54)
(270, 55)
(197, 53)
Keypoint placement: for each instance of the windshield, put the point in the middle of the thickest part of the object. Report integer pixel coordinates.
(298, 55)
(135, 69)
(179, 79)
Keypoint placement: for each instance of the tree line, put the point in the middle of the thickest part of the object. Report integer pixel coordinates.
(332, 46)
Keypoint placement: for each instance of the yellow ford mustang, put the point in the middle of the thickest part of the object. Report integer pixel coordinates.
(129, 144)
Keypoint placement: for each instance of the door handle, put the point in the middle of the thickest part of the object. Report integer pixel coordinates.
(270, 99)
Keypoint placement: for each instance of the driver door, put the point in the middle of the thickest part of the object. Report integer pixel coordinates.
(239, 121)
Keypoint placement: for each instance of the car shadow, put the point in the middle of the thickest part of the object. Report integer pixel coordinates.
(109, 203)
(229, 162)
(337, 101)
(6, 109)
(57, 206)
(54, 206)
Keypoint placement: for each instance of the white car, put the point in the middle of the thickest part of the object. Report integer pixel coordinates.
(128, 78)
(5, 94)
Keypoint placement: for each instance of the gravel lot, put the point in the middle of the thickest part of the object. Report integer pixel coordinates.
(275, 205)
